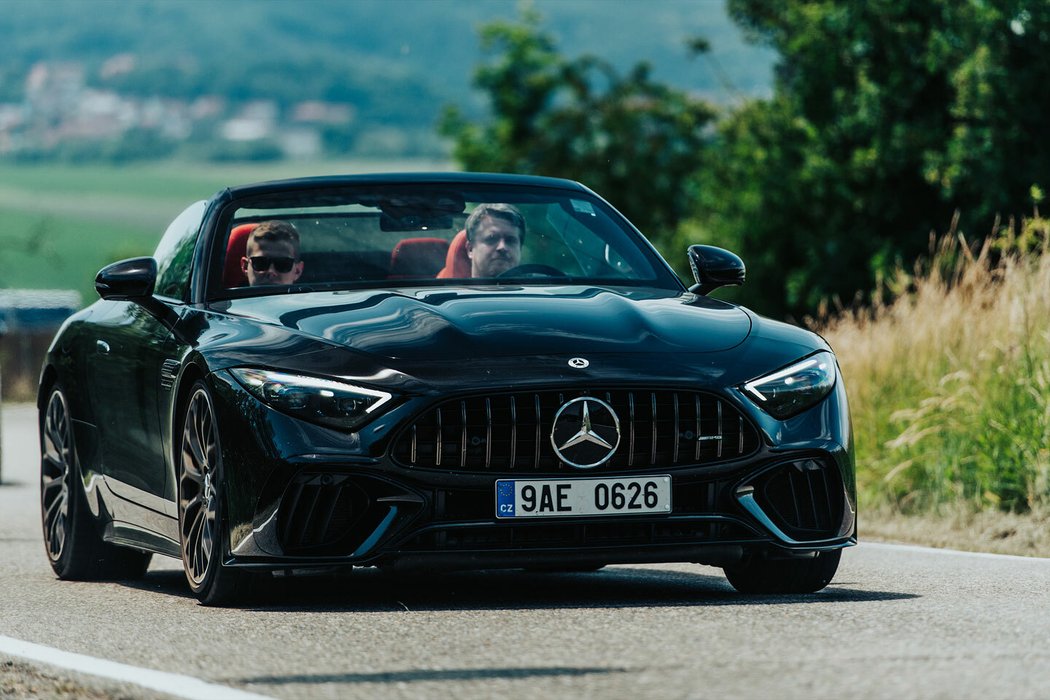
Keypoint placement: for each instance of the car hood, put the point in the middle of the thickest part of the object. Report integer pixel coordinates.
(445, 324)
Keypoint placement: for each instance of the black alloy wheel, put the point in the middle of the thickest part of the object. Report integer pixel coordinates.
(757, 574)
(201, 505)
(74, 548)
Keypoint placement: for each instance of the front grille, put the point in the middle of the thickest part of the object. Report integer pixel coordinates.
(511, 432)
(804, 498)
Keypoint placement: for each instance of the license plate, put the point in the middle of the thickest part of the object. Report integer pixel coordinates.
(556, 498)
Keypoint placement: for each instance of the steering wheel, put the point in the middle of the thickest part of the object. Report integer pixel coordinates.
(532, 270)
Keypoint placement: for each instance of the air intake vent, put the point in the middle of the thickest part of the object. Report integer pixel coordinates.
(318, 512)
(804, 498)
(511, 432)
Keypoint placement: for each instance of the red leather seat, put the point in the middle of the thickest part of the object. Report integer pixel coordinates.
(417, 257)
(232, 274)
(457, 262)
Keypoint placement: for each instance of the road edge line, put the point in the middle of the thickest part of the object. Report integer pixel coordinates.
(174, 684)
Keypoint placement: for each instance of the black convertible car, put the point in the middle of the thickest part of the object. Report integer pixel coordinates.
(435, 370)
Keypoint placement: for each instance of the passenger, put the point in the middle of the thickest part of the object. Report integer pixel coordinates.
(272, 254)
(495, 233)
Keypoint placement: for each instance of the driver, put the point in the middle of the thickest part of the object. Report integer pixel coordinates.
(272, 255)
(495, 233)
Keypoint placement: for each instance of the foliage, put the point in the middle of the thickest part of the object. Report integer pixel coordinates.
(950, 383)
(634, 140)
(887, 117)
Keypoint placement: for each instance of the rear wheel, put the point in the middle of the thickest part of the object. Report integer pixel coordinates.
(760, 575)
(74, 547)
(202, 505)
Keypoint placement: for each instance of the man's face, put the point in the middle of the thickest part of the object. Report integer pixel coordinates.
(496, 247)
(272, 256)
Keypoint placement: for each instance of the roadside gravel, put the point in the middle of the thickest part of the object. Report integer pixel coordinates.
(997, 533)
(25, 682)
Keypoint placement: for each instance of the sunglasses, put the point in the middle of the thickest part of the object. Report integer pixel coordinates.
(262, 263)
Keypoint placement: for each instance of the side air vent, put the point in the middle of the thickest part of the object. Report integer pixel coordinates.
(169, 370)
(511, 432)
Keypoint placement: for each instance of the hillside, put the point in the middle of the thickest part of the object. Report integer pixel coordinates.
(369, 75)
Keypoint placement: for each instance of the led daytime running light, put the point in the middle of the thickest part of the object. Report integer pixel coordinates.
(785, 374)
(794, 389)
(330, 402)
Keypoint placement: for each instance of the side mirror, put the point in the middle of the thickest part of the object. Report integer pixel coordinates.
(127, 280)
(713, 268)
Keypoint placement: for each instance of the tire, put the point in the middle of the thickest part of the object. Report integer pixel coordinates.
(71, 538)
(202, 509)
(760, 575)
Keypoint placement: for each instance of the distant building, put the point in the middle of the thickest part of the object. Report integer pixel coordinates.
(255, 120)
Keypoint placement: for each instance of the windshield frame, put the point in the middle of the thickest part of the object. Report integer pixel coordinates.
(230, 212)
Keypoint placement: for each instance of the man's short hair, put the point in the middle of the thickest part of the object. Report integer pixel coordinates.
(496, 210)
(275, 231)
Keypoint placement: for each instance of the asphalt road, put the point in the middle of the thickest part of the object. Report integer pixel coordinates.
(896, 622)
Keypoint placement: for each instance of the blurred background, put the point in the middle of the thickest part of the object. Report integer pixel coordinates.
(878, 165)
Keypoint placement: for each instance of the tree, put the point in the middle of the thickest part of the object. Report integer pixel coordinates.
(887, 117)
(637, 142)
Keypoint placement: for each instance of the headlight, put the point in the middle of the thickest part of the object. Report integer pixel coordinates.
(325, 401)
(793, 389)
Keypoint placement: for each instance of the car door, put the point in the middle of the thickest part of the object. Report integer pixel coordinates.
(130, 349)
(135, 356)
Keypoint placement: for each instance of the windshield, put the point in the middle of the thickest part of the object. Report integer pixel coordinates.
(430, 234)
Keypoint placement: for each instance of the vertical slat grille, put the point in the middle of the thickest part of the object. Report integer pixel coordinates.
(803, 497)
(539, 434)
(513, 430)
(656, 432)
(439, 442)
(658, 429)
(463, 434)
(630, 420)
(317, 511)
(488, 433)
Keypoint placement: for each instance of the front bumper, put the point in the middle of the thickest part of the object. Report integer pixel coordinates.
(334, 515)
(296, 500)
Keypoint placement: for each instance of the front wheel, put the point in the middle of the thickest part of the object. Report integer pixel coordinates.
(760, 575)
(202, 537)
(74, 547)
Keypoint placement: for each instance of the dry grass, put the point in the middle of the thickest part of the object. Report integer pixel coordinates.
(950, 382)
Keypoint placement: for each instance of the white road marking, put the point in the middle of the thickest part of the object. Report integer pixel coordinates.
(954, 552)
(170, 683)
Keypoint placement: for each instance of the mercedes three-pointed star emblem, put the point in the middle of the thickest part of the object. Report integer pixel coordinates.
(586, 432)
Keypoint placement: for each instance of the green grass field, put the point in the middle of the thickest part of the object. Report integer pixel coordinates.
(62, 223)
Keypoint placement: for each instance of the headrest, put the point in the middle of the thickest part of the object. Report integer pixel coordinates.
(457, 262)
(232, 274)
(417, 257)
